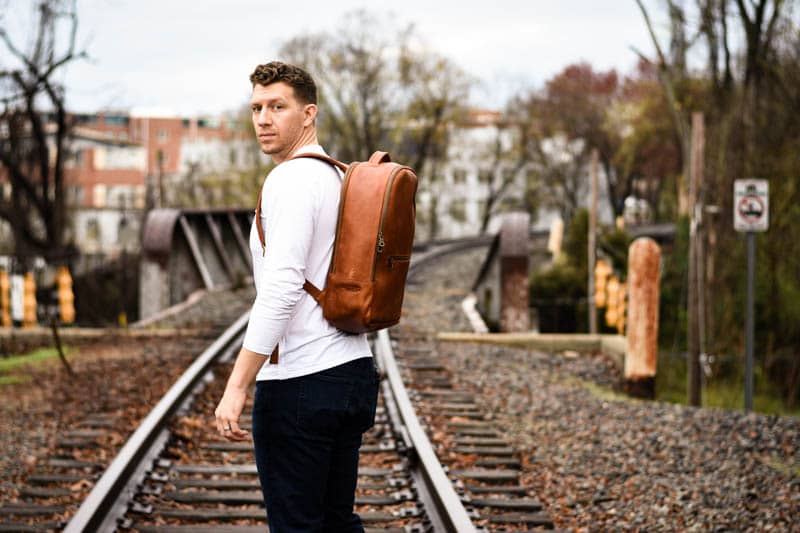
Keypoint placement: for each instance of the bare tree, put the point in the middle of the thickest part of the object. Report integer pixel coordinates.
(670, 75)
(379, 88)
(508, 158)
(759, 27)
(34, 130)
(556, 129)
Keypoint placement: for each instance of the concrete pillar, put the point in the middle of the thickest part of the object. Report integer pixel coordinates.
(644, 259)
(514, 314)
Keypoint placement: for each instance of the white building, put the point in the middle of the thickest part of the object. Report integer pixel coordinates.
(459, 189)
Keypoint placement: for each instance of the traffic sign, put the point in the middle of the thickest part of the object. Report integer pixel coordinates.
(751, 205)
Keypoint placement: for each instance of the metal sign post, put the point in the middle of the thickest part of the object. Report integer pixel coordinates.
(750, 214)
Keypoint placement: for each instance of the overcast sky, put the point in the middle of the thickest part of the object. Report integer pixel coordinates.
(194, 56)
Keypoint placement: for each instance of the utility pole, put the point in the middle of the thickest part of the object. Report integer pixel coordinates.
(695, 234)
(592, 243)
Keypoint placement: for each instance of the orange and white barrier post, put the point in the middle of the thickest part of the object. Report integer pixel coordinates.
(5, 300)
(29, 301)
(66, 298)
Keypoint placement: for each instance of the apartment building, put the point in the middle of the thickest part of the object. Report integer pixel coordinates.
(480, 157)
(117, 158)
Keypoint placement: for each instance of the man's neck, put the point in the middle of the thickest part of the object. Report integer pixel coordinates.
(308, 137)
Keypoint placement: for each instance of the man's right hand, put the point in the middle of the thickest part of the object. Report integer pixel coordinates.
(227, 414)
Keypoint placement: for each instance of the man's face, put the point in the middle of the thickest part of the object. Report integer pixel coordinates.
(279, 119)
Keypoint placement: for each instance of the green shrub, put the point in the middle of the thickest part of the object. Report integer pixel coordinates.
(559, 296)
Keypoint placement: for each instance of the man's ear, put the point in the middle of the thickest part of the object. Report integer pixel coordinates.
(310, 114)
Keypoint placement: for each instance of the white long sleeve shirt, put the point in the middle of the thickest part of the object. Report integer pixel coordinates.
(299, 210)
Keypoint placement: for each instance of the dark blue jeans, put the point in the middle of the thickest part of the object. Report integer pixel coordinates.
(307, 432)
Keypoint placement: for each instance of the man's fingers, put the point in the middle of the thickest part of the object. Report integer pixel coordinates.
(218, 420)
(237, 433)
(227, 418)
(229, 429)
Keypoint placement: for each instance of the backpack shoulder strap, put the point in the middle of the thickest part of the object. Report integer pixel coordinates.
(258, 224)
(308, 286)
(321, 157)
(311, 155)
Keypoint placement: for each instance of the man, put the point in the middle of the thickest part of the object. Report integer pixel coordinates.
(311, 408)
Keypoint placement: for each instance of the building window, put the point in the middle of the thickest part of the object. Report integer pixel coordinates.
(92, 230)
(139, 197)
(75, 195)
(208, 123)
(511, 203)
(117, 120)
(162, 135)
(74, 159)
(86, 119)
(458, 210)
(162, 157)
(99, 195)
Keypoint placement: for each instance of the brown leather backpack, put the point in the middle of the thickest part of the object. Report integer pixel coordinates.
(372, 248)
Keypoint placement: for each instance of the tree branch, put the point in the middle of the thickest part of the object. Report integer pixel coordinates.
(652, 33)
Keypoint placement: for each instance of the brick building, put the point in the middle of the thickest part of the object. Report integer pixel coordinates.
(113, 157)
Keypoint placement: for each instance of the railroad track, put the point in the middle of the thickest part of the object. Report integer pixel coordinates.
(84, 446)
(448, 469)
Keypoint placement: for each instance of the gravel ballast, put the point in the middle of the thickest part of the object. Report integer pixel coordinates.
(601, 461)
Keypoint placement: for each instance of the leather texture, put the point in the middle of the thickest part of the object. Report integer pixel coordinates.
(372, 249)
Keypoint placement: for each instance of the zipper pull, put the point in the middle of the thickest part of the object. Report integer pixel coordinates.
(263, 251)
(381, 244)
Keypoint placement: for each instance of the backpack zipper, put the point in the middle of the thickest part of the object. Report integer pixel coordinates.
(381, 244)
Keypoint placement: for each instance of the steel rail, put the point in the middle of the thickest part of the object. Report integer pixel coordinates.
(109, 499)
(439, 250)
(446, 510)
(107, 503)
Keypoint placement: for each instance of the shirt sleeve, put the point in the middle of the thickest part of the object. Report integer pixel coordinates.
(289, 208)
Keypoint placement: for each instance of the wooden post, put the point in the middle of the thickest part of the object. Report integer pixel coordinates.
(692, 327)
(644, 259)
(592, 243)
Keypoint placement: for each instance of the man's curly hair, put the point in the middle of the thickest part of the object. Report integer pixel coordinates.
(305, 90)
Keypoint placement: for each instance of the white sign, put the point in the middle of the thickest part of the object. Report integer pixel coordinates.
(750, 205)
